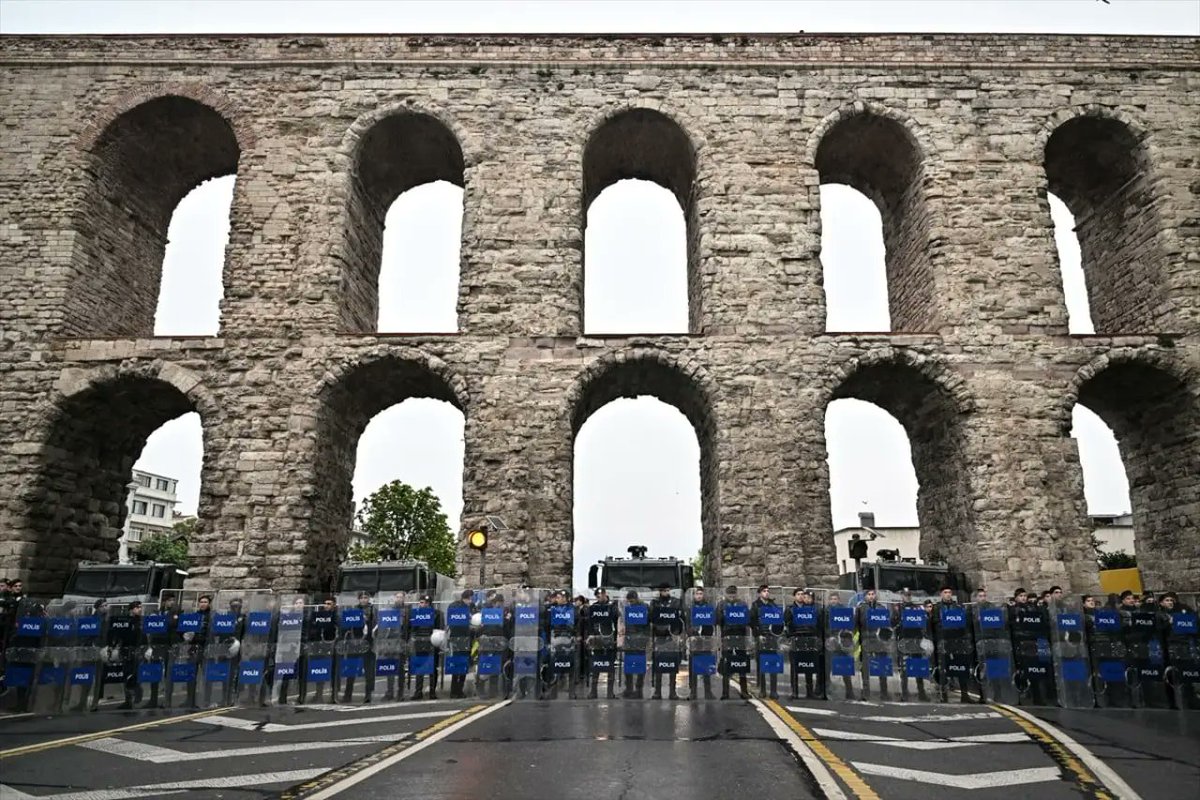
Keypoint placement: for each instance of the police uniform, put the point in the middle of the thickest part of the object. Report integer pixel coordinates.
(666, 625)
(600, 621)
(730, 651)
(803, 621)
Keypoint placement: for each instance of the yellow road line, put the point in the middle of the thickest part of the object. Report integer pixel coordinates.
(840, 768)
(89, 737)
(1065, 759)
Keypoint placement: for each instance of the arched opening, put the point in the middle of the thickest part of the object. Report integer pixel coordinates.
(418, 277)
(351, 465)
(872, 483)
(853, 262)
(640, 145)
(189, 302)
(1070, 264)
(144, 163)
(398, 153)
(878, 157)
(636, 482)
(635, 263)
(932, 419)
(1099, 169)
(1155, 416)
(79, 508)
(1105, 486)
(628, 417)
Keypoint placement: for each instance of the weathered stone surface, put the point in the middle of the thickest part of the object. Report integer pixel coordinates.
(957, 138)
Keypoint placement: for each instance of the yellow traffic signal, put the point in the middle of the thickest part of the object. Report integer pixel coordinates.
(477, 539)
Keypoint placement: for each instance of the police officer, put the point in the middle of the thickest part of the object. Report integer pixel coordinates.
(666, 626)
(400, 604)
(803, 622)
(733, 633)
(767, 636)
(708, 630)
(870, 603)
(909, 643)
(190, 644)
(494, 633)
(124, 634)
(635, 685)
(154, 645)
(955, 641)
(600, 624)
(460, 639)
(362, 635)
(1031, 639)
(320, 632)
(556, 627)
(422, 644)
(297, 610)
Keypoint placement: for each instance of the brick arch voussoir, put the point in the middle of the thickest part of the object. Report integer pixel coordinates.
(341, 370)
(1064, 114)
(950, 383)
(920, 137)
(1146, 356)
(243, 131)
(347, 150)
(690, 371)
(687, 125)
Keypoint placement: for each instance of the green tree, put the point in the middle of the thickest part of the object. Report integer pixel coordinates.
(1117, 560)
(405, 523)
(169, 548)
(698, 566)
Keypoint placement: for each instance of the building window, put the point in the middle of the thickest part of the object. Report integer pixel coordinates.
(144, 480)
(160, 510)
(162, 484)
(139, 506)
(135, 535)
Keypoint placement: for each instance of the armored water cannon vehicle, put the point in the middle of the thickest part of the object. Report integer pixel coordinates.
(123, 583)
(640, 571)
(388, 577)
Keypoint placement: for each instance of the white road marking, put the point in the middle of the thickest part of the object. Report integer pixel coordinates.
(1105, 773)
(979, 780)
(923, 744)
(166, 755)
(391, 761)
(349, 709)
(829, 785)
(278, 727)
(176, 787)
(825, 712)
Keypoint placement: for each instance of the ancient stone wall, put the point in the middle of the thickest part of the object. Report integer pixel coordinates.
(956, 138)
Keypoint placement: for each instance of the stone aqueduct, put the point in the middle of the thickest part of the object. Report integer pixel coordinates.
(956, 138)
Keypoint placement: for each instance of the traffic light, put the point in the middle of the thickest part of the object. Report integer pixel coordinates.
(477, 539)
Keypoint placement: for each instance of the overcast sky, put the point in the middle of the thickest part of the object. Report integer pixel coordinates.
(636, 471)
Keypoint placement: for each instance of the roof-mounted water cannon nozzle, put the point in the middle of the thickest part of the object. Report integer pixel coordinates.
(637, 551)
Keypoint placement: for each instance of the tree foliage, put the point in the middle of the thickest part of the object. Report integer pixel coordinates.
(1117, 560)
(698, 566)
(164, 547)
(400, 523)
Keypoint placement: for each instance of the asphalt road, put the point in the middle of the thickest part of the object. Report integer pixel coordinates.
(445, 750)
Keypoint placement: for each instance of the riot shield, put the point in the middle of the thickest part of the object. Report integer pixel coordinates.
(117, 681)
(355, 656)
(768, 629)
(287, 661)
(186, 628)
(1182, 675)
(877, 625)
(736, 637)
(804, 644)
(700, 614)
(83, 670)
(317, 667)
(1106, 648)
(495, 626)
(151, 654)
(955, 651)
(562, 659)
(527, 609)
(914, 649)
(1145, 649)
(995, 668)
(1068, 642)
(217, 681)
(56, 654)
(635, 640)
(841, 648)
(1032, 654)
(24, 652)
(426, 635)
(391, 645)
(460, 639)
(256, 653)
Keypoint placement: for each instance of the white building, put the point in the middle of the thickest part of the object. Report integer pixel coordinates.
(149, 509)
(1113, 532)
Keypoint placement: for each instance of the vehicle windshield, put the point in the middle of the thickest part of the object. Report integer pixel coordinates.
(401, 579)
(919, 581)
(109, 582)
(618, 575)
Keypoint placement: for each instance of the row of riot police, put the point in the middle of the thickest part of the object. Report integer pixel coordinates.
(197, 649)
